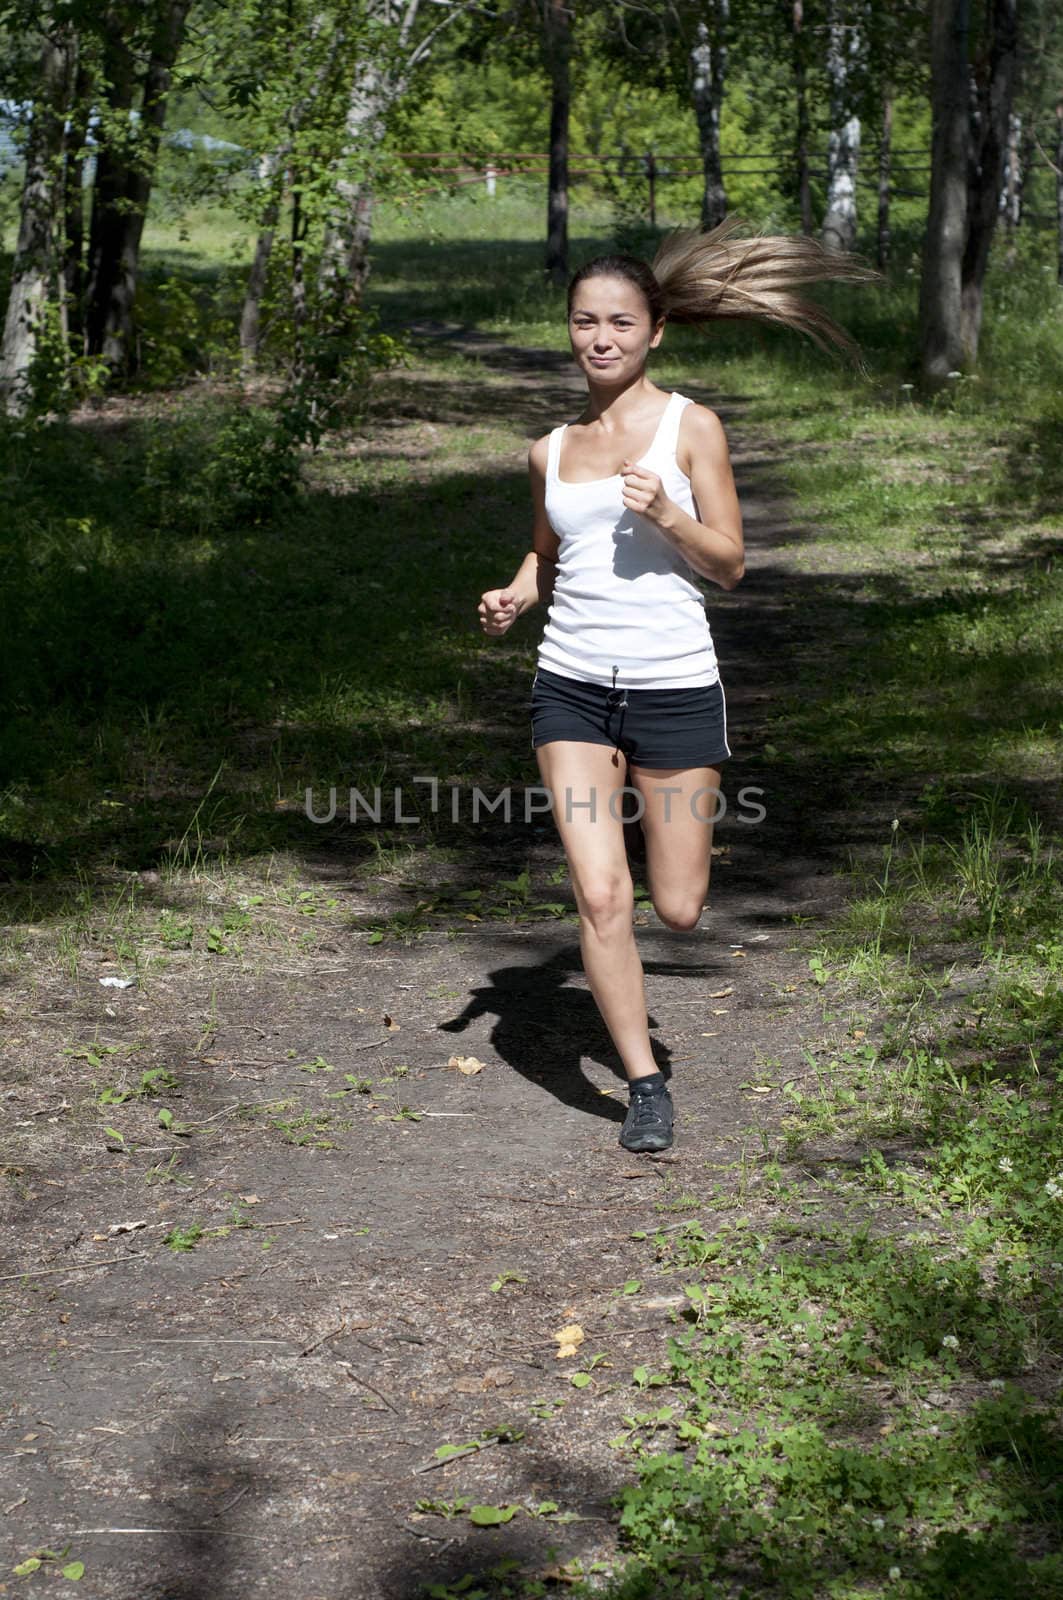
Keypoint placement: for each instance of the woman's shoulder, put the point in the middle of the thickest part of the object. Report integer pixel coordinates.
(539, 454)
(698, 421)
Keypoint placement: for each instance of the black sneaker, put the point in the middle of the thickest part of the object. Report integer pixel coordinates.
(648, 1124)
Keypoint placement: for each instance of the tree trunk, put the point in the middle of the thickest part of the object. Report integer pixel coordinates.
(34, 272)
(940, 304)
(1059, 193)
(73, 265)
(804, 187)
(1013, 183)
(118, 77)
(251, 314)
(298, 286)
(884, 160)
(124, 199)
(708, 70)
(557, 40)
(988, 148)
(843, 148)
(272, 170)
(344, 267)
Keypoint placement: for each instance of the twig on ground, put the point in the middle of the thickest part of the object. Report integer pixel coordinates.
(356, 1377)
(530, 1200)
(73, 1266)
(474, 1449)
(310, 1348)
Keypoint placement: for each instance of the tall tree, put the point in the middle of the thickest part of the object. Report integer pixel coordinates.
(941, 285)
(846, 47)
(885, 155)
(381, 64)
(557, 54)
(1059, 192)
(36, 266)
(136, 80)
(708, 71)
(799, 42)
(991, 92)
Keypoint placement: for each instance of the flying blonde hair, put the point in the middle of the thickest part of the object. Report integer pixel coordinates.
(699, 278)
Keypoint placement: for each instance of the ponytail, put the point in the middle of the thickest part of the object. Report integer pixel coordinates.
(704, 277)
(700, 278)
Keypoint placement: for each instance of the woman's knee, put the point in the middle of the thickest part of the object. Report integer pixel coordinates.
(606, 900)
(679, 913)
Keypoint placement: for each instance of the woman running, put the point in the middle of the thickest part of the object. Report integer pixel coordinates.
(631, 502)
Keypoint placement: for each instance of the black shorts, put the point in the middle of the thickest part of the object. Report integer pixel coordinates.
(651, 727)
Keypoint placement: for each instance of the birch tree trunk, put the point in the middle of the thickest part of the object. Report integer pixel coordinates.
(129, 175)
(73, 264)
(344, 267)
(1013, 183)
(1059, 193)
(843, 149)
(35, 269)
(557, 41)
(708, 70)
(988, 146)
(940, 302)
(884, 162)
(804, 187)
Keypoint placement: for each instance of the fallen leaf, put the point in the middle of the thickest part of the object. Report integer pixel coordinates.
(721, 1011)
(858, 1033)
(466, 1064)
(126, 1227)
(390, 1024)
(721, 994)
(738, 953)
(251, 1199)
(569, 1340)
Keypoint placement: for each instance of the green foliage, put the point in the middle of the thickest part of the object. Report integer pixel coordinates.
(59, 378)
(184, 327)
(219, 466)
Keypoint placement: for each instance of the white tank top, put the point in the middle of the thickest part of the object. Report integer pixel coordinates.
(623, 596)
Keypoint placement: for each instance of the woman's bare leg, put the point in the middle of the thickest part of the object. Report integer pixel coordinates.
(681, 806)
(581, 776)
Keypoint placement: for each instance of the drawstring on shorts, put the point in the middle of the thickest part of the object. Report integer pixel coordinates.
(616, 700)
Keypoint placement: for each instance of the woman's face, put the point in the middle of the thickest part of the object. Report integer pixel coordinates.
(611, 330)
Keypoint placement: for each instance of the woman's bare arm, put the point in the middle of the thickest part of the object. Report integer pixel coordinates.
(534, 580)
(712, 542)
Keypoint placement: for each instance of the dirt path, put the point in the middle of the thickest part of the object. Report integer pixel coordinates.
(259, 1414)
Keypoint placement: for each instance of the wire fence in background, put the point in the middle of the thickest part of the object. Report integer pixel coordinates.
(464, 168)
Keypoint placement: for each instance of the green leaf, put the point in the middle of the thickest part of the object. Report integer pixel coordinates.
(632, 1286)
(492, 1516)
(75, 1570)
(446, 1452)
(375, 938)
(165, 1118)
(24, 1568)
(580, 1380)
(112, 1133)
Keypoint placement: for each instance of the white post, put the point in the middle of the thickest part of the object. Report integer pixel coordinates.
(489, 177)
